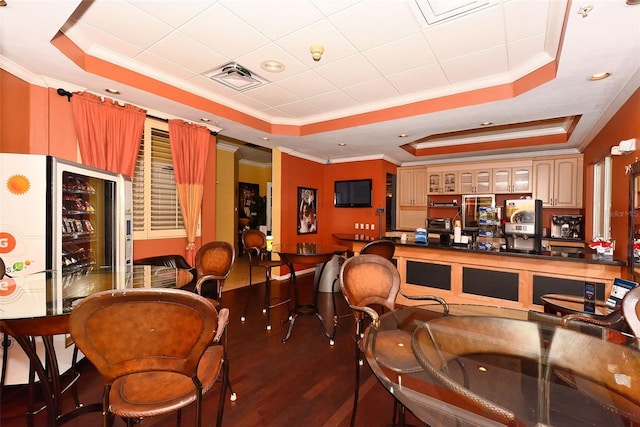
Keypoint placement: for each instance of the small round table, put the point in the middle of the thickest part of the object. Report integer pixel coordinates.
(307, 254)
(39, 304)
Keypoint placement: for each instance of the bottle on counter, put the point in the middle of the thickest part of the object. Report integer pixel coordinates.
(457, 232)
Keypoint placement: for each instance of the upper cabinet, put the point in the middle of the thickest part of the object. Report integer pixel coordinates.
(513, 177)
(558, 181)
(442, 181)
(412, 186)
(475, 181)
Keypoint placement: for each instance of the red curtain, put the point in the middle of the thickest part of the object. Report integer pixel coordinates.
(108, 134)
(189, 151)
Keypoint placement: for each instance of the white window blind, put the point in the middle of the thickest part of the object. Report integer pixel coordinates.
(156, 210)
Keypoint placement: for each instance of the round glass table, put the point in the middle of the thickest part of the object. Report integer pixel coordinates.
(36, 307)
(489, 366)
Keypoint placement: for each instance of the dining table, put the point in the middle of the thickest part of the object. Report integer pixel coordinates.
(487, 366)
(35, 309)
(307, 254)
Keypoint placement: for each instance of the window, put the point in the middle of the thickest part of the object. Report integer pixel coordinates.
(602, 198)
(156, 210)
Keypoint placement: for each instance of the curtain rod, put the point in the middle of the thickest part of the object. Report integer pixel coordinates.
(162, 119)
(63, 92)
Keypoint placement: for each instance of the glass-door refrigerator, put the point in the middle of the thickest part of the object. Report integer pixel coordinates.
(61, 216)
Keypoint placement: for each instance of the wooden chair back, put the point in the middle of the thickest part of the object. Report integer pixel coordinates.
(384, 248)
(214, 262)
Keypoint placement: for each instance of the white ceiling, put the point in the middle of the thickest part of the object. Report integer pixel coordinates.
(379, 55)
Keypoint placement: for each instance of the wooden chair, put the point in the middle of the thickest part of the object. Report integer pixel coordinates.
(255, 245)
(214, 262)
(154, 349)
(631, 310)
(435, 347)
(384, 248)
(372, 280)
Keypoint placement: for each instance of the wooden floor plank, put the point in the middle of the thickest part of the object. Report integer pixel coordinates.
(304, 382)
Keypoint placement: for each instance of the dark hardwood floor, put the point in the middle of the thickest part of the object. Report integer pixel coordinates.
(304, 382)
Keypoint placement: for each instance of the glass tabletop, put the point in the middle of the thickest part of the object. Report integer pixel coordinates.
(51, 293)
(492, 366)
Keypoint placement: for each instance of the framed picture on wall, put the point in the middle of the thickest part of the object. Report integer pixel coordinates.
(307, 210)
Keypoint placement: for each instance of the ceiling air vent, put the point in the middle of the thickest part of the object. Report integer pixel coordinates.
(434, 11)
(236, 77)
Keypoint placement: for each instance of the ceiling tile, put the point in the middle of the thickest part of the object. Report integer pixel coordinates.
(336, 46)
(182, 50)
(523, 22)
(419, 79)
(299, 109)
(348, 71)
(332, 101)
(458, 37)
(253, 59)
(378, 90)
(306, 84)
(173, 13)
(527, 51)
(159, 63)
(224, 32)
(401, 55)
(466, 69)
(271, 95)
(118, 17)
(384, 22)
(273, 18)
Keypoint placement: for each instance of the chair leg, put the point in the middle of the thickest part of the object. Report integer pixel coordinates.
(246, 305)
(223, 391)
(267, 296)
(357, 379)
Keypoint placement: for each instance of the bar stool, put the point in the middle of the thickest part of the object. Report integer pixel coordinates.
(255, 245)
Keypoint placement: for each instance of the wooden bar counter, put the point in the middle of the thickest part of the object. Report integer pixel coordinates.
(506, 279)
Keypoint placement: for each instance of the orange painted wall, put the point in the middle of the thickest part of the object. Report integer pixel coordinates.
(625, 124)
(297, 172)
(342, 220)
(37, 120)
(14, 114)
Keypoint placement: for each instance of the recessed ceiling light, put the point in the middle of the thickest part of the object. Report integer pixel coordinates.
(403, 135)
(342, 144)
(272, 66)
(486, 123)
(599, 76)
(113, 91)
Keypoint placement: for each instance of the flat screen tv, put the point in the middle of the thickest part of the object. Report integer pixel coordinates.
(355, 193)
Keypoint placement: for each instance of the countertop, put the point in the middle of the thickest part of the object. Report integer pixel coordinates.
(558, 255)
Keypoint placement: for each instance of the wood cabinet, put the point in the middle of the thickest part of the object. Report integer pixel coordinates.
(475, 181)
(442, 181)
(412, 186)
(412, 198)
(513, 178)
(558, 181)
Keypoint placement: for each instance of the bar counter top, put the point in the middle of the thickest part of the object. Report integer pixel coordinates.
(585, 256)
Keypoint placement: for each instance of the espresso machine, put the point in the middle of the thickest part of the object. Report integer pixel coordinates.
(566, 227)
(522, 225)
